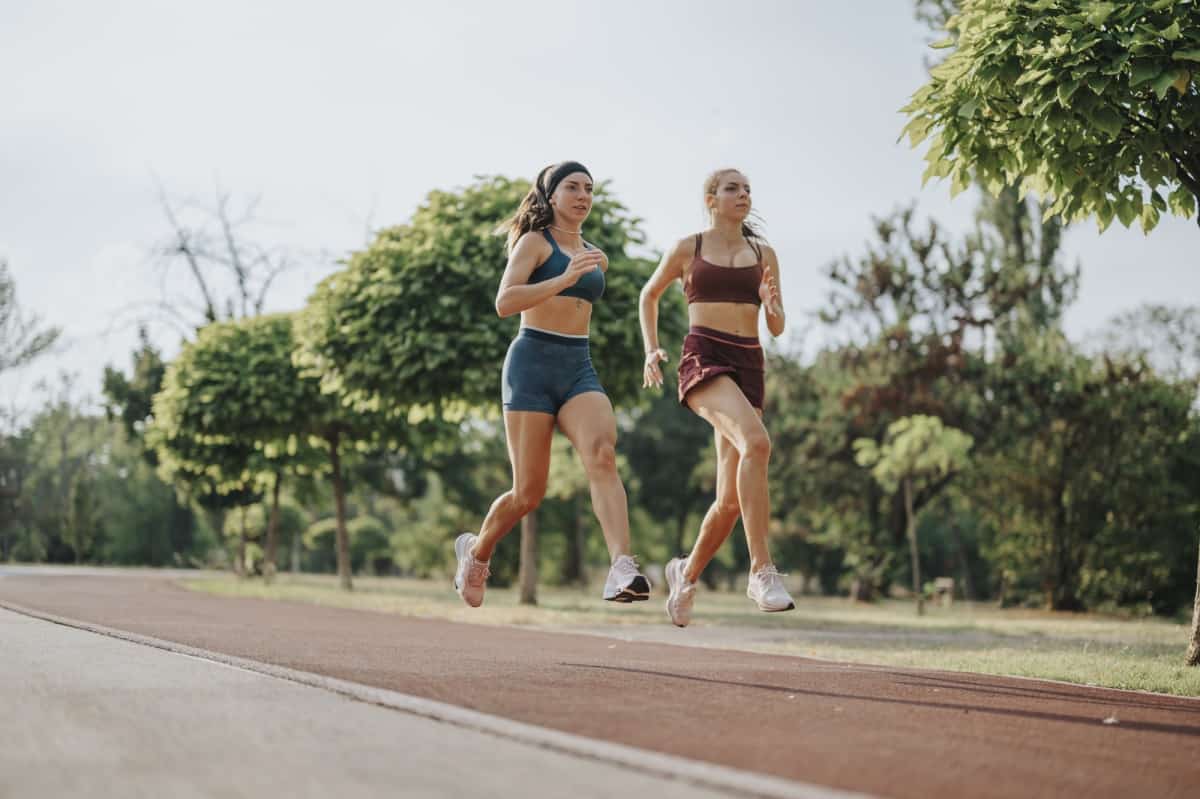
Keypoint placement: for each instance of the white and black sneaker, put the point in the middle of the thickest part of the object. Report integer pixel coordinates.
(767, 591)
(470, 578)
(625, 581)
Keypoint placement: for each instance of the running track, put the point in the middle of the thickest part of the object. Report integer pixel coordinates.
(883, 731)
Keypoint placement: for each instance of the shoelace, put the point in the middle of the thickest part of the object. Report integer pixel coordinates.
(477, 572)
(626, 566)
(770, 577)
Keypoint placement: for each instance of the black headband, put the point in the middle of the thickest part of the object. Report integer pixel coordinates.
(551, 181)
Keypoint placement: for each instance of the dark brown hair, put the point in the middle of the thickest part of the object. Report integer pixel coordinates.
(749, 229)
(534, 212)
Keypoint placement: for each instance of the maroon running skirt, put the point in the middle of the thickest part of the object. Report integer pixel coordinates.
(709, 353)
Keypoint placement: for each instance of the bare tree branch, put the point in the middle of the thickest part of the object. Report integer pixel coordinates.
(183, 245)
(22, 337)
(231, 274)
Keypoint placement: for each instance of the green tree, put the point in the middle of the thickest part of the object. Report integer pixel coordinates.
(131, 399)
(268, 402)
(195, 452)
(144, 521)
(916, 448)
(1168, 337)
(236, 395)
(1093, 495)
(1093, 105)
(87, 494)
(66, 449)
(84, 521)
(22, 339)
(14, 470)
(409, 326)
(919, 317)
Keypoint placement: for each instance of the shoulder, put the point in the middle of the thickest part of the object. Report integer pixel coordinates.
(685, 247)
(532, 243)
(768, 252)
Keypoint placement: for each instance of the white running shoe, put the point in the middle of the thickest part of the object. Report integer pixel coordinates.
(680, 593)
(470, 579)
(625, 582)
(766, 589)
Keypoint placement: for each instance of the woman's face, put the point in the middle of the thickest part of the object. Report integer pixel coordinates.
(732, 198)
(572, 199)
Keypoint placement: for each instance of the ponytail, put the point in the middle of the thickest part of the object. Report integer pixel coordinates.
(534, 213)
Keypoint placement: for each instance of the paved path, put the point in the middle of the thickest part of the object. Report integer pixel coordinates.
(883, 731)
(90, 715)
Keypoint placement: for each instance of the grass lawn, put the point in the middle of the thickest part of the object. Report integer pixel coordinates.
(1138, 654)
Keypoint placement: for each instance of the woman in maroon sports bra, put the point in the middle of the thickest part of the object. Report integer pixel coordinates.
(728, 273)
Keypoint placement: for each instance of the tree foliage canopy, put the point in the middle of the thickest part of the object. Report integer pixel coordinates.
(915, 447)
(1094, 104)
(231, 402)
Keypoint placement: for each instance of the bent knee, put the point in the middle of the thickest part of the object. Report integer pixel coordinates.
(601, 458)
(757, 445)
(727, 508)
(527, 498)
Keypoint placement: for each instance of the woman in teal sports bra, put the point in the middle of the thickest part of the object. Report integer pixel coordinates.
(553, 277)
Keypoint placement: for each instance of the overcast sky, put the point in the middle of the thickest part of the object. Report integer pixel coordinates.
(343, 116)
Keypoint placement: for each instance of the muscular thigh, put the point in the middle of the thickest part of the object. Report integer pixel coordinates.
(587, 419)
(723, 405)
(529, 435)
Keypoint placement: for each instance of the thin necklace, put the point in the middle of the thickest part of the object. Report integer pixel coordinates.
(564, 230)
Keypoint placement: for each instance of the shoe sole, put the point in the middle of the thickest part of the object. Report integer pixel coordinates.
(454, 579)
(791, 606)
(458, 556)
(670, 589)
(672, 618)
(638, 590)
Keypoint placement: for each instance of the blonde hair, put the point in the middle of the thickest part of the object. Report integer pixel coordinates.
(749, 230)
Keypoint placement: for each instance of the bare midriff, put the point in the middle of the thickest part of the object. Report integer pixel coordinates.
(567, 315)
(738, 318)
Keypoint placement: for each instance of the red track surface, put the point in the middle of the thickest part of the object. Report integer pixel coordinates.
(890, 732)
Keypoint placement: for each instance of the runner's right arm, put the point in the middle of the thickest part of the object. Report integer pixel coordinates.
(669, 270)
(516, 294)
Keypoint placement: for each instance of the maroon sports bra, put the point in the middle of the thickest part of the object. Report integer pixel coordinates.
(707, 282)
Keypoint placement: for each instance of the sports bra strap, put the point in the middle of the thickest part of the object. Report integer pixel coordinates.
(753, 245)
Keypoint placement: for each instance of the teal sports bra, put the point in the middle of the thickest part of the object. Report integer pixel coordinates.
(590, 287)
